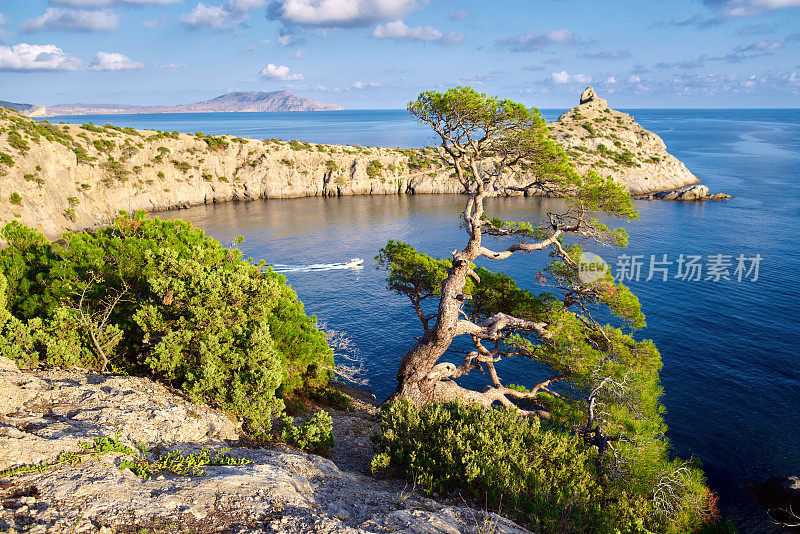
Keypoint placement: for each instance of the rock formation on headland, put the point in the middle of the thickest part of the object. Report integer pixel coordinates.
(47, 413)
(58, 177)
(612, 144)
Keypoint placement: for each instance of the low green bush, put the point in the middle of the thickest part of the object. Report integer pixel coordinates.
(374, 169)
(538, 474)
(314, 435)
(160, 298)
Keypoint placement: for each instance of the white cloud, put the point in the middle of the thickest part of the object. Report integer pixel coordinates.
(748, 8)
(285, 39)
(279, 72)
(398, 30)
(223, 17)
(27, 57)
(174, 66)
(633, 79)
(75, 20)
(762, 46)
(366, 85)
(561, 78)
(113, 61)
(299, 54)
(210, 16)
(108, 3)
(340, 13)
(536, 41)
(611, 80)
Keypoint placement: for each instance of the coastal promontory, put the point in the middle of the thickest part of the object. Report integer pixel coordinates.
(57, 177)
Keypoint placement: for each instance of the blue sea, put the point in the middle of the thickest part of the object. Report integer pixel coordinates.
(729, 340)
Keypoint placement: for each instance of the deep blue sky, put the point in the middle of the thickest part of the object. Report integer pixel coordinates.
(382, 53)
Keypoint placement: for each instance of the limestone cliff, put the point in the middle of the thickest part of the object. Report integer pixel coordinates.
(58, 177)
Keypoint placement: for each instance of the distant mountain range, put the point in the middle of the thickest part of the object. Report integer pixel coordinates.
(229, 102)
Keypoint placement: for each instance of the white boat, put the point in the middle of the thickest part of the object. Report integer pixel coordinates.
(353, 263)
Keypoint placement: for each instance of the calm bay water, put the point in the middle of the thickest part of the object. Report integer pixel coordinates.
(731, 375)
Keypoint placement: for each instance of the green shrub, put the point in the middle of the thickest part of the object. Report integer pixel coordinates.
(214, 143)
(188, 312)
(374, 169)
(6, 159)
(92, 128)
(314, 435)
(540, 475)
(103, 145)
(298, 145)
(15, 198)
(182, 166)
(81, 155)
(115, 170)
(15, 140)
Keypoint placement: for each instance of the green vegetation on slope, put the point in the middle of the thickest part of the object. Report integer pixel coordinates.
(160, 298)
(535, 473)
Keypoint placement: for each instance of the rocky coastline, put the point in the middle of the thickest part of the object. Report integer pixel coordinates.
(59, 177)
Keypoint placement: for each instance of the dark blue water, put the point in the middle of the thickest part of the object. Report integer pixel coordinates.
(731, 375)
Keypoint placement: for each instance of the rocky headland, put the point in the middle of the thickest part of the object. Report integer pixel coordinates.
(65, 438)
(614, 145)
(58, 177)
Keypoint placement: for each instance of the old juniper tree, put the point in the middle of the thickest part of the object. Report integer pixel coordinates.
(601, 382)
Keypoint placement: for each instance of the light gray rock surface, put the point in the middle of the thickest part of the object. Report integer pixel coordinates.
(285, 491)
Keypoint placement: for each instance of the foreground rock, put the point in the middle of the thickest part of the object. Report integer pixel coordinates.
(50, 412)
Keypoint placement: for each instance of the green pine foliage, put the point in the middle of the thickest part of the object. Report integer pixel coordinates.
(592, 455)
(180, 307)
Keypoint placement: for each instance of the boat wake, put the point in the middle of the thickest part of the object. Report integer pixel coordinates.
(354, 263)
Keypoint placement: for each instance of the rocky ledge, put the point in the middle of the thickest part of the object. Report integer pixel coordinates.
(690, 192)
(50, 419)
